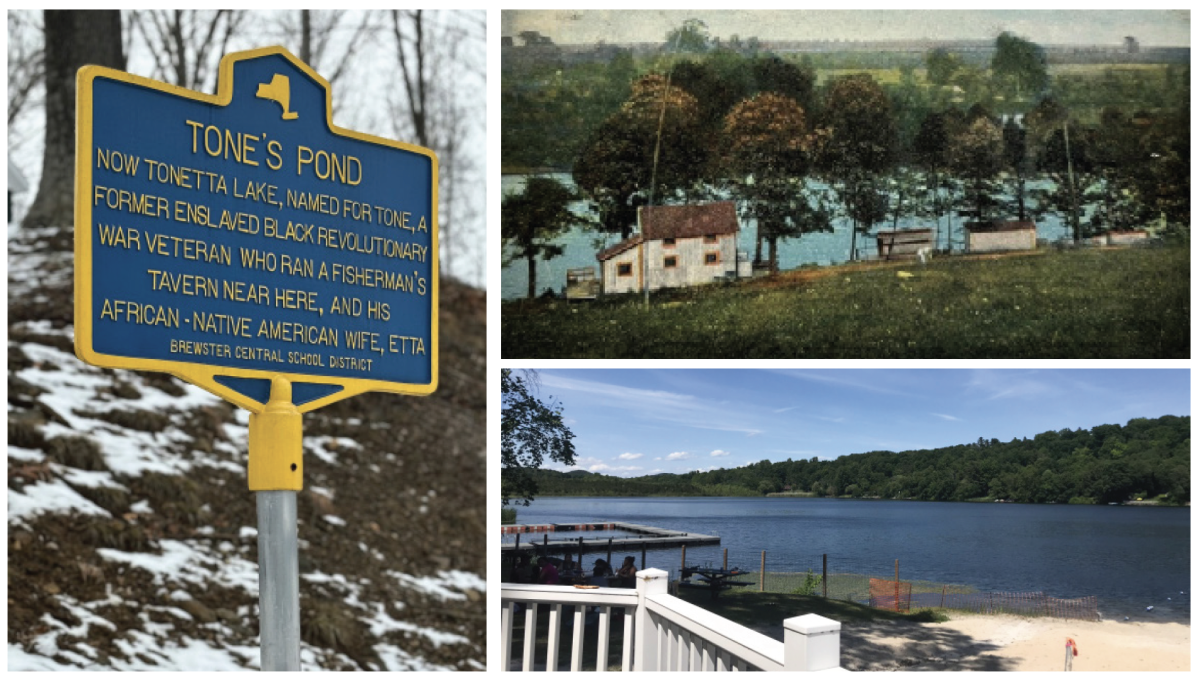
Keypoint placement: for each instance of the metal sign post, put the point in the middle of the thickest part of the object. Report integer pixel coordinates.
(244, 243)
(276, 470)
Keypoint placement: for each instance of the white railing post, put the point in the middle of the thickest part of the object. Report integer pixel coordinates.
(645, 635)
(811, 643)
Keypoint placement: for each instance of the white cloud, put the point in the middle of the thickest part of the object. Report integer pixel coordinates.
(719, 453)
(842, 380)
(679, 456)
(655, 405)
(629, 456)
(949, 418)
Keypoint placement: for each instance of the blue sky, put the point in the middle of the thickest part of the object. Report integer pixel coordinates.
(636, 422)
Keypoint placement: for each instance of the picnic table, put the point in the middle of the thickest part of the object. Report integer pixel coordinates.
(712, 579)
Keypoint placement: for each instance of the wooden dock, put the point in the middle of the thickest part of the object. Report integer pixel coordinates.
(647, 537)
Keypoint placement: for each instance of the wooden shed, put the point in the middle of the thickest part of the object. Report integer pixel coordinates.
(903, 244)
(998, 235)
(1127, 237)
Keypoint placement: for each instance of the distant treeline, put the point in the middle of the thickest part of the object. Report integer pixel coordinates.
(1146, 458)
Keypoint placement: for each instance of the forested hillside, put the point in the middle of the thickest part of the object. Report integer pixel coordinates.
(1145, 458)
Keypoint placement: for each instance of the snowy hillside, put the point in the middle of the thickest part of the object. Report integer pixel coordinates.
(131, 532)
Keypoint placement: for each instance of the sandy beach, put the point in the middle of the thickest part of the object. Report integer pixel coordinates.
(1010, 643)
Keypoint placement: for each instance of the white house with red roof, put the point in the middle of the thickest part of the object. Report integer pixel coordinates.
(676, 246)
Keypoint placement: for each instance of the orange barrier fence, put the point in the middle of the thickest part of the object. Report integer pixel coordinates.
(891, 595)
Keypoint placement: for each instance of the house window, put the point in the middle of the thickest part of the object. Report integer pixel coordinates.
(712, 258)
(625, 269)
(668, 242)
(710, 238)
(669, 262)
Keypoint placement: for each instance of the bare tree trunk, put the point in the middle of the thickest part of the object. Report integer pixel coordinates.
(187, 45)
(306, 37)
(415, 80)
(532, 276)
(73, 39)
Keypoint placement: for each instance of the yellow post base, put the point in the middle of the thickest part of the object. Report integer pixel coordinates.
(276, 442)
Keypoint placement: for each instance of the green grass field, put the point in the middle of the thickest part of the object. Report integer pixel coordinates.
(1091, 303)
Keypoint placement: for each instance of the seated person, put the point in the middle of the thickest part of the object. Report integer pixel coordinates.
(628, 569)
(548, 574)
(627, 572)
(601, 569)
(523, 572)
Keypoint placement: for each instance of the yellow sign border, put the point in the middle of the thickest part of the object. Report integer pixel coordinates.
(202, 375)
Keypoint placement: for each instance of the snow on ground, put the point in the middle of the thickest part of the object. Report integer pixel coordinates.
(447, 584)
(181, 563)
(72, 399)
(327, 447)
(48, 497)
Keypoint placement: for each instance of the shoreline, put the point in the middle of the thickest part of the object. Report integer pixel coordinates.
(969, 642)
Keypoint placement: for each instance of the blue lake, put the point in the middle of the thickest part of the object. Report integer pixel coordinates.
(1128, 557)
(582, 245)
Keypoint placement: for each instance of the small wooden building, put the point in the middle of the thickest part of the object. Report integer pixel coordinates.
(1127, 237)
(903, 244)
(676, 246)
(998, 235)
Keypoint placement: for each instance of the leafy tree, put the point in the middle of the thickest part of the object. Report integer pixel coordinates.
(617, 167)
(767, 152)
(530, 433)
(529, 221)
(692, 36)
(857, 146)
(772, 74)
(1017, 161)
(941, 65)
(931, 148)
(1020, 65)
(977, 155)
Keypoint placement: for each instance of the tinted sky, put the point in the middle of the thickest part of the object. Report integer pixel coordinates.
(636, 422)
(1158, 28)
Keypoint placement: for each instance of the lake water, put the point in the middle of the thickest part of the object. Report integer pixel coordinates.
(582, 245)
(1128, 557)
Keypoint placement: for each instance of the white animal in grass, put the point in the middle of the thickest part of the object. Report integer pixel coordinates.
(924, 254)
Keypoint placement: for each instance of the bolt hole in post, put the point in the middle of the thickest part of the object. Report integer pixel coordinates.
(276, 445)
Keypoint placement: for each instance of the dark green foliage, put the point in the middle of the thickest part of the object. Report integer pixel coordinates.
(859, 146)
(1020, 65)
(692, 36)
(530, 433)
(1109, 463)
(941, 66)
(530, 220)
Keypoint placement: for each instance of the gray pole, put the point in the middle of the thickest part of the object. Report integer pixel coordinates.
(278, 580)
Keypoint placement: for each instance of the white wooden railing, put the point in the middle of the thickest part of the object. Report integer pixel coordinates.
(661, 632)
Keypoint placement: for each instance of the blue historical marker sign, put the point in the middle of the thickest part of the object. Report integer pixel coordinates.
(227, 239)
